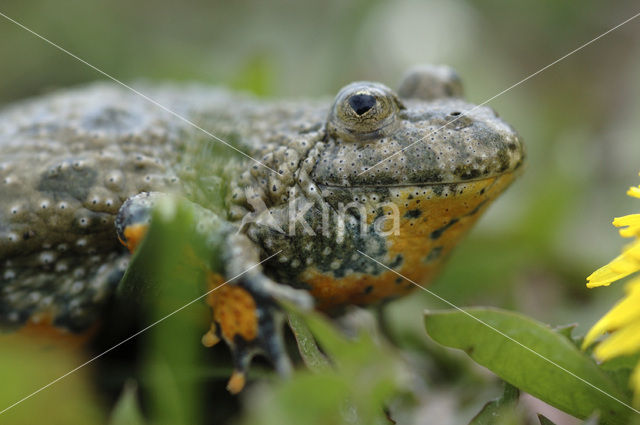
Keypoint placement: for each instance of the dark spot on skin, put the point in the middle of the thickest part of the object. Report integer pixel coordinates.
(395, 263)
(477, 208)
(398, 281)
(68, 182)
(471, 174)
(438, 232)
(362, 103)
(482, 191)
(519, 163)
(91, 223)
(410, 196)
(430, 176)
(368, 289)
(433, 254)
(467, 172)
(413, 214)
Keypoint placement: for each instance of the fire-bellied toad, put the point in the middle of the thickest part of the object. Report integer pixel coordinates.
(328, 180)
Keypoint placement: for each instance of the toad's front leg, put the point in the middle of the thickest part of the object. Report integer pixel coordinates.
(245, 309)
(244, 301)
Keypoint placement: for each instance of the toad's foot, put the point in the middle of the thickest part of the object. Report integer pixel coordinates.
(249, 324)
(245, 303)
(246, 313)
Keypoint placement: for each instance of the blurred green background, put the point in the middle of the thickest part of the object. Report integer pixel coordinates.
(579, 119)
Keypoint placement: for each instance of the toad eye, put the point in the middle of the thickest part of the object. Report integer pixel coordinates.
(363, 111)
(362, 103)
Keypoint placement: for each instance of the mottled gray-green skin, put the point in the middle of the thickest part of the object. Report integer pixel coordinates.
(70, 159)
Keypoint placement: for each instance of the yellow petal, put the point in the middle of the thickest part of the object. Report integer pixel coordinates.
(631, 224)
(632, 250)
(624, 341)
(596, 331)
(618, 268)
(633, 286)
(623, 265)
(625, 312)
(634, 191)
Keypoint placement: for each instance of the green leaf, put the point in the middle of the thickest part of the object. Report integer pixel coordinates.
(493, 411)
(127, 410)
(621, 363)
(619, 369)
(363, 378)
(170, 265)
(548, 368)
(174, 344)
(544, 420)
(309, 351)
(566, 330)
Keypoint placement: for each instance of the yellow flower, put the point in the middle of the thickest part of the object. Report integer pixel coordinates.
(622, 322)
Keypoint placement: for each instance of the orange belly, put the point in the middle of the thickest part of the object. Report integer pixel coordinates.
(40, 332)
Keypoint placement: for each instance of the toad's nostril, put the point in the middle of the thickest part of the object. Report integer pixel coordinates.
(361, 103)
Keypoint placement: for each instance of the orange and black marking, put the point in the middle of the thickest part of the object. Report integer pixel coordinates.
(235, 319)
(234, 310)
(133, 220)
(132, 235)
(43, 333)
(430, 221)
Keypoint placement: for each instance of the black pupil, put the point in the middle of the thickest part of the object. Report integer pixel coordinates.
(361, 103)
